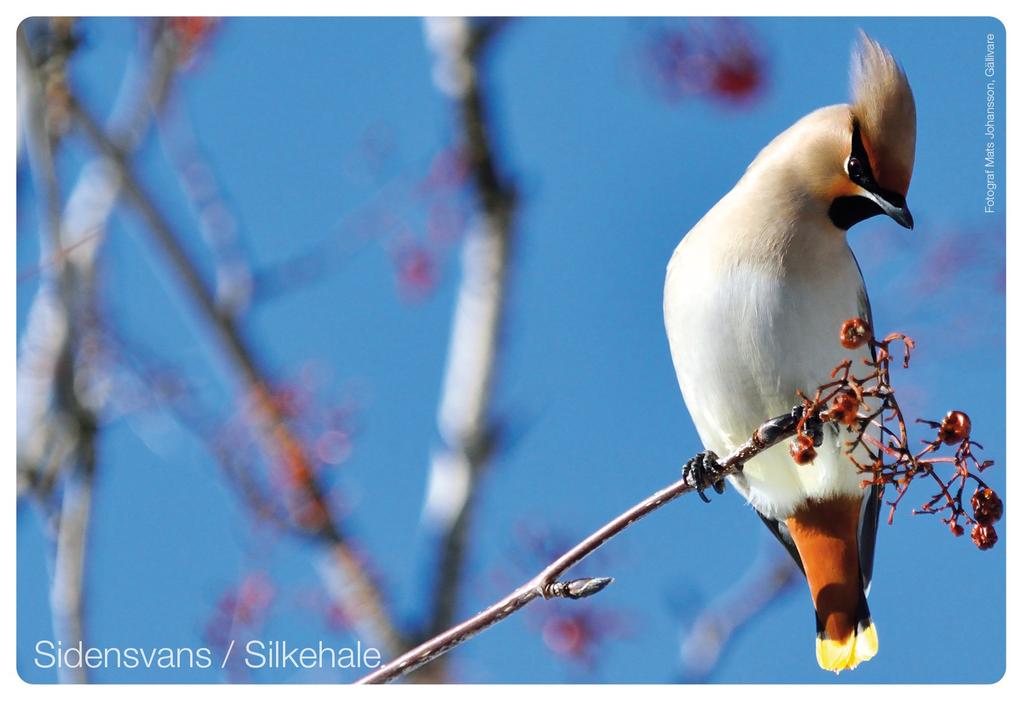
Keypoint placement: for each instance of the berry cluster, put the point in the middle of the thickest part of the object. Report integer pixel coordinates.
(714, 58)
(986, 505)
(866, 405)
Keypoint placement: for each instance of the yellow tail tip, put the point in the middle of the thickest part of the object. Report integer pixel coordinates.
(859, 646)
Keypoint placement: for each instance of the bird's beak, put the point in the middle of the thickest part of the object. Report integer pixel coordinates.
(894, 206)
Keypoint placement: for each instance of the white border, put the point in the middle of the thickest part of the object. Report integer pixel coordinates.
(16, 691)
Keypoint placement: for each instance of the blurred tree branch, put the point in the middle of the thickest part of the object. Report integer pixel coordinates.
(464, 415)
(216, 224)
(464, 408)
(773, 575)
(61, 387)
(343, 571)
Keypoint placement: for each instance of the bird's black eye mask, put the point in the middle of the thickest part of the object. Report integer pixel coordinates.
(846, 211)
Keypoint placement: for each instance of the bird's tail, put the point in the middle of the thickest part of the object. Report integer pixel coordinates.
(836, 653)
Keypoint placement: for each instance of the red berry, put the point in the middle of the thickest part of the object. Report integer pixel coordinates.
(988, 507)
(956, 529)
(844, 408)
(854, 333)
(737, 77)
(417, 270)
(191, 33)
(567, 636)
(802, 449)
(984, 536)
(955, 427)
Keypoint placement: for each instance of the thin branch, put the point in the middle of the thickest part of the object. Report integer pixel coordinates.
(546, 584)
(216, 223)
(338, 249)
(464, 413)
(346, 579)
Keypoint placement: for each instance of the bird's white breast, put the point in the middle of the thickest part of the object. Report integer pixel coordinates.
(748, 329)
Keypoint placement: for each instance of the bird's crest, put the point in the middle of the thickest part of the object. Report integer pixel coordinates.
(883, 107)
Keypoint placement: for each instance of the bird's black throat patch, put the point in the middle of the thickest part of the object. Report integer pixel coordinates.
(847, 211)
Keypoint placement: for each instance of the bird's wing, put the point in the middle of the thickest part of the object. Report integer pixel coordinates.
(869, 516)
(782, 534)
(872, 506)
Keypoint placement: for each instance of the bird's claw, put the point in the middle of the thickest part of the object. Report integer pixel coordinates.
(702, 467)
(813, 426)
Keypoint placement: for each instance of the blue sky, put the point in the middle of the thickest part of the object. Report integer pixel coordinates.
(611, 177)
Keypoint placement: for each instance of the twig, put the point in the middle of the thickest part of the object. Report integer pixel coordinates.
(464, 411)
(546, 584)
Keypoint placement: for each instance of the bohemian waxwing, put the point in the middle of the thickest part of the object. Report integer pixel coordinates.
(755, 296)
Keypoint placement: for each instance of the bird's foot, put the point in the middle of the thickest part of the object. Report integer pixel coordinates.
(813, 426)
(699, 469)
